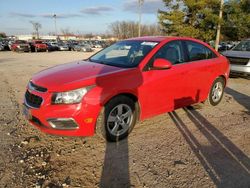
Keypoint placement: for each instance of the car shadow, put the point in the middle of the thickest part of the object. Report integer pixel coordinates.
(115, 171)
(223, 161)
(241, 98)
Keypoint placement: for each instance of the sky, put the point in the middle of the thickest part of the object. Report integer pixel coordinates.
(79, 16)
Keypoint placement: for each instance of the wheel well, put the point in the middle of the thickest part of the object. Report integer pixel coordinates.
(224, 78)
(131, 96)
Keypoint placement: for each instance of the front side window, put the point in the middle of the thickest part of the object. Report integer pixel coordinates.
(124, 54)
(198, 51)
(172, 52)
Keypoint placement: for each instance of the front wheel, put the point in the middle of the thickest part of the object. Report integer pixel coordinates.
(118, 118)
(216, 92)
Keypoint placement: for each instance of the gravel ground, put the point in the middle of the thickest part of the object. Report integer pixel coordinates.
(198, 146)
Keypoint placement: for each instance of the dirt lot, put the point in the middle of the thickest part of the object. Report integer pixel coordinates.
(199, 146)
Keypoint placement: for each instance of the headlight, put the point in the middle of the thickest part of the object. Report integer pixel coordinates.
(70, 97)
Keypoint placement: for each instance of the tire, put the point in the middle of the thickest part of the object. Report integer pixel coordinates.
(216, 92)
(114, 128)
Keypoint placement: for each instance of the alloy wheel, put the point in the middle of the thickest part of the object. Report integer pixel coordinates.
(119, 119)
(217, 92)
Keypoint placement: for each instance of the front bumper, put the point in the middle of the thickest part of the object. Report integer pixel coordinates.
(42, 48)
(24, 49)
(52, 119)
(64, 49)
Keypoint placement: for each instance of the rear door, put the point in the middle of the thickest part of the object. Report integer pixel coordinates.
(202, 64)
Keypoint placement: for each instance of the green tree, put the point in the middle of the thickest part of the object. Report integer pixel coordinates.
(192, 18)
(236, 25)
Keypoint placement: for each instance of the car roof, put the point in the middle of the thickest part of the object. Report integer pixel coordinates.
(162, 38)
(150, 38)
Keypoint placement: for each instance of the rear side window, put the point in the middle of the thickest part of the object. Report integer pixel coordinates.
(198, 51)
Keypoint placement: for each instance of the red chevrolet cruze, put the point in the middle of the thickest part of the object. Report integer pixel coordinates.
(129, 81)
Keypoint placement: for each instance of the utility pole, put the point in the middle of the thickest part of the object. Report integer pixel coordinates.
(54, 16)
(217, 41)
(140, 3)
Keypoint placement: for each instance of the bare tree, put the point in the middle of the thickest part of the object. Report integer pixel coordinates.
(66, 31)
(128, 29)
(88, 35)
(36, 27)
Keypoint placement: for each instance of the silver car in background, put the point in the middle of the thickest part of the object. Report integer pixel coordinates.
(83, 48)
(239, 58)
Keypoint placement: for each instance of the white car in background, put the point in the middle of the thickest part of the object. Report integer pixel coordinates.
(239, 58)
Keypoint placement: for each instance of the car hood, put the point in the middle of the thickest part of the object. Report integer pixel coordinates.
(41, 45)
(73, 75)
(239, 54)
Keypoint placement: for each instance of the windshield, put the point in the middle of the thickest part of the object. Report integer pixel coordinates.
(242, 46)
(21, 42)
(124, 54)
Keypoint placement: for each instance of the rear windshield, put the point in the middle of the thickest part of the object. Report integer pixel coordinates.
(242, 46)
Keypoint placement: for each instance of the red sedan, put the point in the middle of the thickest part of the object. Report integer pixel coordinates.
(129, 81)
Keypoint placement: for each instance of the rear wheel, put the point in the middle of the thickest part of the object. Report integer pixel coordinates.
(216, 92)
(117, 119)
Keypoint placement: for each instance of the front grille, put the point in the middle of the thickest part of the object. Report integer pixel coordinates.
(238, 61)
(33, 100)
(33, 86)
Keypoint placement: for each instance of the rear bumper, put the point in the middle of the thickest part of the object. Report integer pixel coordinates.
(240, 69)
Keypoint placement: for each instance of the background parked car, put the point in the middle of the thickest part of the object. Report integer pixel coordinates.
(38, 45)
(51, 47)
(5, 44)
(63, 47)
(1, 47)
(72, 44)
(20, 45)
(54, 44)
(83, 48)
(239, 58)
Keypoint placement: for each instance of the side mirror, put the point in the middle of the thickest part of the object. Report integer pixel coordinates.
(161, 63)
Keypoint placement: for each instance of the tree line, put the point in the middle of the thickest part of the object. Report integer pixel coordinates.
(199, 19)
(129, 29)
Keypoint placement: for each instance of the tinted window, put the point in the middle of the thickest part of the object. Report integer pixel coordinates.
(242, 46)
(197, 51)
(172, 51)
